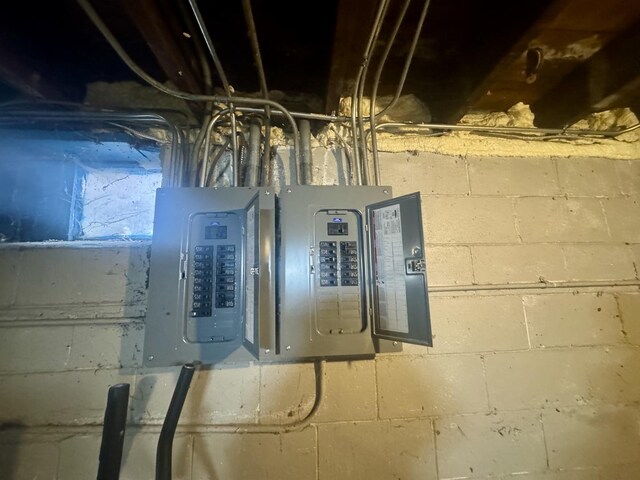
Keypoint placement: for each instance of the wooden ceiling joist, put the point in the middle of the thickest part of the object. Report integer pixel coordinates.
(566, 35)
(18, 74)
(609, 79)
(163, 38)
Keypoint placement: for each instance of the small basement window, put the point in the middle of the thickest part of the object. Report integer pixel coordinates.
(76, 184)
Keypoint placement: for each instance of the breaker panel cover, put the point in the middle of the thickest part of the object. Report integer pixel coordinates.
(399, 283)
(210, 277)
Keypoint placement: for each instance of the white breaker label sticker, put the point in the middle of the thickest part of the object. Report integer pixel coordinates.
(251, 279)
(390, 266)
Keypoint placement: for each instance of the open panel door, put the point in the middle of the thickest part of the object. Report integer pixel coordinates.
(251, 330)
(399, 277)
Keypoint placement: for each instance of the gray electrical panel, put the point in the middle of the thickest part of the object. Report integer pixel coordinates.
(314, 272)
(211, 281)
(351, 272)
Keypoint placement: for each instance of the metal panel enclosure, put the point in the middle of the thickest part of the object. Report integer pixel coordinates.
(399, 276)
(323, 273)
(212, 281)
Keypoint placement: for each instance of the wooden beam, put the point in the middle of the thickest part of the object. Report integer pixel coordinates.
(353, 25)
(152, 18)
(18, 74)
(609, 79)
(568, 33)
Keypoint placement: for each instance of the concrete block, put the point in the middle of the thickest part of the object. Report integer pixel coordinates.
(79, 456)
(512, 176)
(582, 474)
(255, 456)
(468, 220)
(635, 251)
(630, 471)
(76, 397)
(568, 319)
(384, 450)
(287, 392)
(599, 262)
(478, 324)
(517, 263)
(29, 461)
(100, 346)
(139, 456)
(558, 219)
(629, 305)
(9, 261)
(216, 396)
(587, 436)
(591, 177)
(568, 377)
(497, 444)
(412, 386)
(427, 173)
(623, 217)
(350, 392)
(629, 174)
(82, 275)
(449, 265)
(35, 349)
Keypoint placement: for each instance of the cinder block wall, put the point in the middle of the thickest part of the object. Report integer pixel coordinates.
(539, 382)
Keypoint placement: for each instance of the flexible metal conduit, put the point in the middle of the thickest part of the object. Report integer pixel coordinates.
(97, 21)
(252, 172)
(306, 159)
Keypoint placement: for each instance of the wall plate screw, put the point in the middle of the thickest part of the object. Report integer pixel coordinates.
(267, 192)
(395, 343)
(150, 357)
(266, 350)
(288, 190)
(288, 347)
(385, 191)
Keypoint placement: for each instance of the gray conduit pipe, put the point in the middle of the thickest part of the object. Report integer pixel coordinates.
(275, 429)
(306, 157)
(252, 172)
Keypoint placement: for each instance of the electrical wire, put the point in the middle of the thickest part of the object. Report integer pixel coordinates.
(357, 125)
(374, 92)
(355, 106)
(255, 46)
(124, 56)
(399, 88)
(407, 63)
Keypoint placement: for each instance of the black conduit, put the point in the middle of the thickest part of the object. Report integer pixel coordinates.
(115, 419)
(165, 442)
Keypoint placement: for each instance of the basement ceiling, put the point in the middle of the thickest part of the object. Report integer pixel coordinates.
(565, 58)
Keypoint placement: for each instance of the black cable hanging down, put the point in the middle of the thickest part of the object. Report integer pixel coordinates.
(115, 419)
(164, 452)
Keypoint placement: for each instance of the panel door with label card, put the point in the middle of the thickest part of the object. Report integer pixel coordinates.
(339, 295)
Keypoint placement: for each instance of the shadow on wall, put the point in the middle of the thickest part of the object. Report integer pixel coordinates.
(10, 448)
